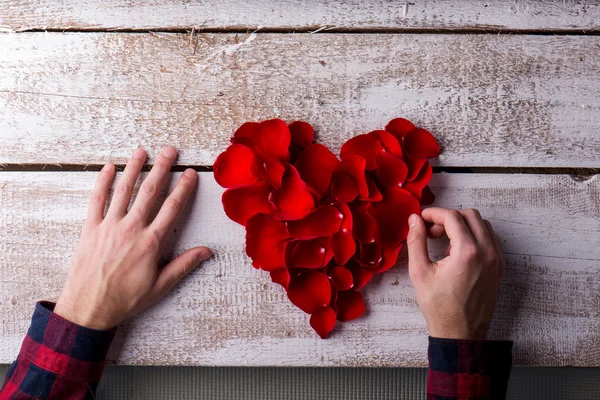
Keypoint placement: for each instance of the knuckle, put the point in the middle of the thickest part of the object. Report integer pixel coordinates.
(472, 212)
(148, 188)
(96, 197)
(123, 188)
(134, 217)
(130, 230)
(490, 258)
(161, 165)
(470, 251)
(412, 237)
(172, 205)
(151, 242)
(454, 214)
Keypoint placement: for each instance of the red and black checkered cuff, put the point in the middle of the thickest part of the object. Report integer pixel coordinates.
(64, 348)
(468, 368)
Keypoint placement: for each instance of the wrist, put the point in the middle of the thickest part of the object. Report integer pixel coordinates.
(80, 316)
(459, 333)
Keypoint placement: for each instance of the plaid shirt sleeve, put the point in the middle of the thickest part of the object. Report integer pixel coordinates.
(58, 359)
(468, 369)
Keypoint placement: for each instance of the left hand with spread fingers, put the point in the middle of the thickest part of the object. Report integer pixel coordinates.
(114, 273)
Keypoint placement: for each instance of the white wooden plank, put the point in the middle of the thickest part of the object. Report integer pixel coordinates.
(228, 313)
(300, 14)
(491, 100)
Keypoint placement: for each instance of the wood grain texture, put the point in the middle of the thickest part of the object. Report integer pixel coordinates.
(490, 100)
(499, 15)
(227, 313)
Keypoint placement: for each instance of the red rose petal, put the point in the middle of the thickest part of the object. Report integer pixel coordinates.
(302, 137)
(310, 291)
(242, 203)
(315, 165)
(427, 196)
(392, 216)
(363, 222)
(347, 213)
(421, 143)
(292, 200)
(273, 139)
(389, 141)
(369, 255)
(323, 321)
(272, 171)
(353, 166)
(281, 276)
(308, 254)
(324, 241)
(265, 242)
(374, 193)
(246, 133)
(391, 169)
(399, 127)
(341, 278)
(417, 185)
(360, 275)
(323, 221)
(344, 188)
(414, 166)
(365, 146)
(388, 259)
(350, 305)
(343, 246)
(236, 167)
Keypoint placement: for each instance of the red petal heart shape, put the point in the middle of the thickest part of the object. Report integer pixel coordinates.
(323, 227)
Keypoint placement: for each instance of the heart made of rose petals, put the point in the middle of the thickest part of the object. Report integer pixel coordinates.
(321, 226)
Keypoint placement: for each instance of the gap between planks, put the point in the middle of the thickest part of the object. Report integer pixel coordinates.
(320, 30)
(576, 173)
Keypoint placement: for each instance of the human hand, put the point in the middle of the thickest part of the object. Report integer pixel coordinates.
(114, 273)
(457, 295)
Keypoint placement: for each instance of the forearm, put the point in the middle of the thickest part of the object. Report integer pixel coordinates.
(468, 369)
(58, 359)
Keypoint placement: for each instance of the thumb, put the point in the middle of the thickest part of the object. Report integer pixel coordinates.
(174, 271)
(418, 256)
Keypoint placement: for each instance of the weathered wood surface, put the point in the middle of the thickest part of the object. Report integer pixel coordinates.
(292, 15)
(491, 100)
(227, 313)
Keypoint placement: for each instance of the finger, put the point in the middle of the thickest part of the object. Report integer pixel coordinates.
(124, 189)
(494, 236)
(419, 264)
(99, 194)
(451, 220)
(477, 227)
(436, 231)
(150, 188)
(172, 207)
(173, 272)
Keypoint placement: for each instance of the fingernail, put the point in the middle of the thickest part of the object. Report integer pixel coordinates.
(106, 167)
(139, 153)
(204, 254)
(412, 220)
(169, 152)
